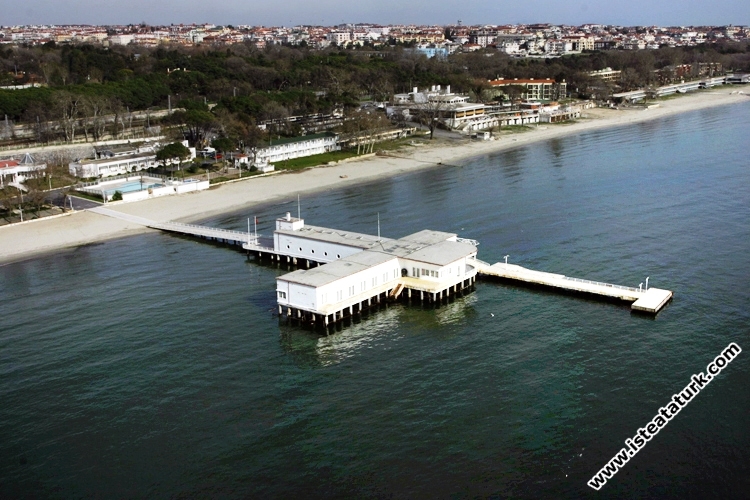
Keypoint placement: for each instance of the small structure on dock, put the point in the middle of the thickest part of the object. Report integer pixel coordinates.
(361, 270)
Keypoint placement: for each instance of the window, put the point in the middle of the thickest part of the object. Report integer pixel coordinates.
(282, 295)
(374, 282)
(351, 291)
(338, 256)
(300, 249)
(339, 295)
(364, 286)
(312, 251)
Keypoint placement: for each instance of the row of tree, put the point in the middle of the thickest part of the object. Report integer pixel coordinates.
(92, 91)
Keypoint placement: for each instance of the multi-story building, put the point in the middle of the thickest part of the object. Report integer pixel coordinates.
(545, 89)
(606, 74)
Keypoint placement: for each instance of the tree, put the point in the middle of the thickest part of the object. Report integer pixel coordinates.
(171, 152)
(198, 124)
(65, 109)
(480, 88)
(222, 145)
(430, 113)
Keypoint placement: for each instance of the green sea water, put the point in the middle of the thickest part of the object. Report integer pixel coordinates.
(156, 366)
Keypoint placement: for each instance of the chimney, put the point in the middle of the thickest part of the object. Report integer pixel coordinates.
(447, 89)
(288, 216)
(416, 90)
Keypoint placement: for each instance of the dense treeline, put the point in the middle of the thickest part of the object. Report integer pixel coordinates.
(249, 85)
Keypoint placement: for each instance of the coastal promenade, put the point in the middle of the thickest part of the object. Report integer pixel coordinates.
(649, 300)
(22, 241)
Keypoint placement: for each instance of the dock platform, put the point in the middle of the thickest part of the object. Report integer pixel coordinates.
(650, 300)
(247, 241)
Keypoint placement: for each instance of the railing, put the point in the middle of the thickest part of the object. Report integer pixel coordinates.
(118, 177)
(183, 226)
(467, 240)
(599, 283)
(481, 262)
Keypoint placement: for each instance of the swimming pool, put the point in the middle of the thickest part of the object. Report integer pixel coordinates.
(129, 187)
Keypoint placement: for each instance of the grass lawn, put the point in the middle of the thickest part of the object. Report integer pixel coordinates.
(516, 129)
(313, 161)
(87, 196)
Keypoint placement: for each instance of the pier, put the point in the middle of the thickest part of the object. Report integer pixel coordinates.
(650, 300)
(236, 238)
(342, 273)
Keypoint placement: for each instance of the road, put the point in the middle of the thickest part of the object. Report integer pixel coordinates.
(55, 197)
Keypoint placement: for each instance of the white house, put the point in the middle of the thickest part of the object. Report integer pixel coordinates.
(119, 161)
(358, 267)
(297, 147)
(13, 173)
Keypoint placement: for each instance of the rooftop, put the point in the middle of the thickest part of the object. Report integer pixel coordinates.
(333, 271)
(357, 240)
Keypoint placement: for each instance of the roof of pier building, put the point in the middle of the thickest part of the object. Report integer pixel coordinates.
(338, 269)
(357, 240)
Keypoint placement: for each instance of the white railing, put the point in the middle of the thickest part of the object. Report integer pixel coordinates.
(599, 283)
(467, 240)
(198, 229)
(127, 176)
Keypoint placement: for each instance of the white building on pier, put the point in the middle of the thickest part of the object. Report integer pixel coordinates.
(359, 269)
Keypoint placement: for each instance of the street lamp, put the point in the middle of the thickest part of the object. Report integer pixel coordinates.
(646, 282)
(506, 262)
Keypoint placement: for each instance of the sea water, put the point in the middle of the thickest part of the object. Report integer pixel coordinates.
(156, 366)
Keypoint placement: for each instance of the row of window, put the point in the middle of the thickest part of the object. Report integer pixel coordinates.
(417, 272)
(351, 290)
(338, 256)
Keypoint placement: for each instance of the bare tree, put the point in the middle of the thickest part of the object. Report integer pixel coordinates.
(431, 114)
(66, 110)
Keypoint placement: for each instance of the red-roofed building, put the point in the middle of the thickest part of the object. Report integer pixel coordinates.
(13, 172)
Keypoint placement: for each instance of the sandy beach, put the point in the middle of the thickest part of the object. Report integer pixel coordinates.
(26, 240)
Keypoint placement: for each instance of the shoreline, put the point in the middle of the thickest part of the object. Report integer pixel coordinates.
(27, 241)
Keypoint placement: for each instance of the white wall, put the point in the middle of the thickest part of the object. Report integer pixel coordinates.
(319, 251)
(362, 282)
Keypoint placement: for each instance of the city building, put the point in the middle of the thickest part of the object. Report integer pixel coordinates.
(545, 89)
(14, 173)
(296, 147)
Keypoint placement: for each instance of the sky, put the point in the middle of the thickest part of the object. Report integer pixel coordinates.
(332, 12)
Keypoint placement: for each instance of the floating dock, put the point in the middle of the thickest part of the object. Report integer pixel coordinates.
(650, 300)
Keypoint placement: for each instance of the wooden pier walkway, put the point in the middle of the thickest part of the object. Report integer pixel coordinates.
(650, 300)
(646, 300)
(247, 241)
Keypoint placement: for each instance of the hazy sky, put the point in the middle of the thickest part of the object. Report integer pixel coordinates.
(330, 12)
